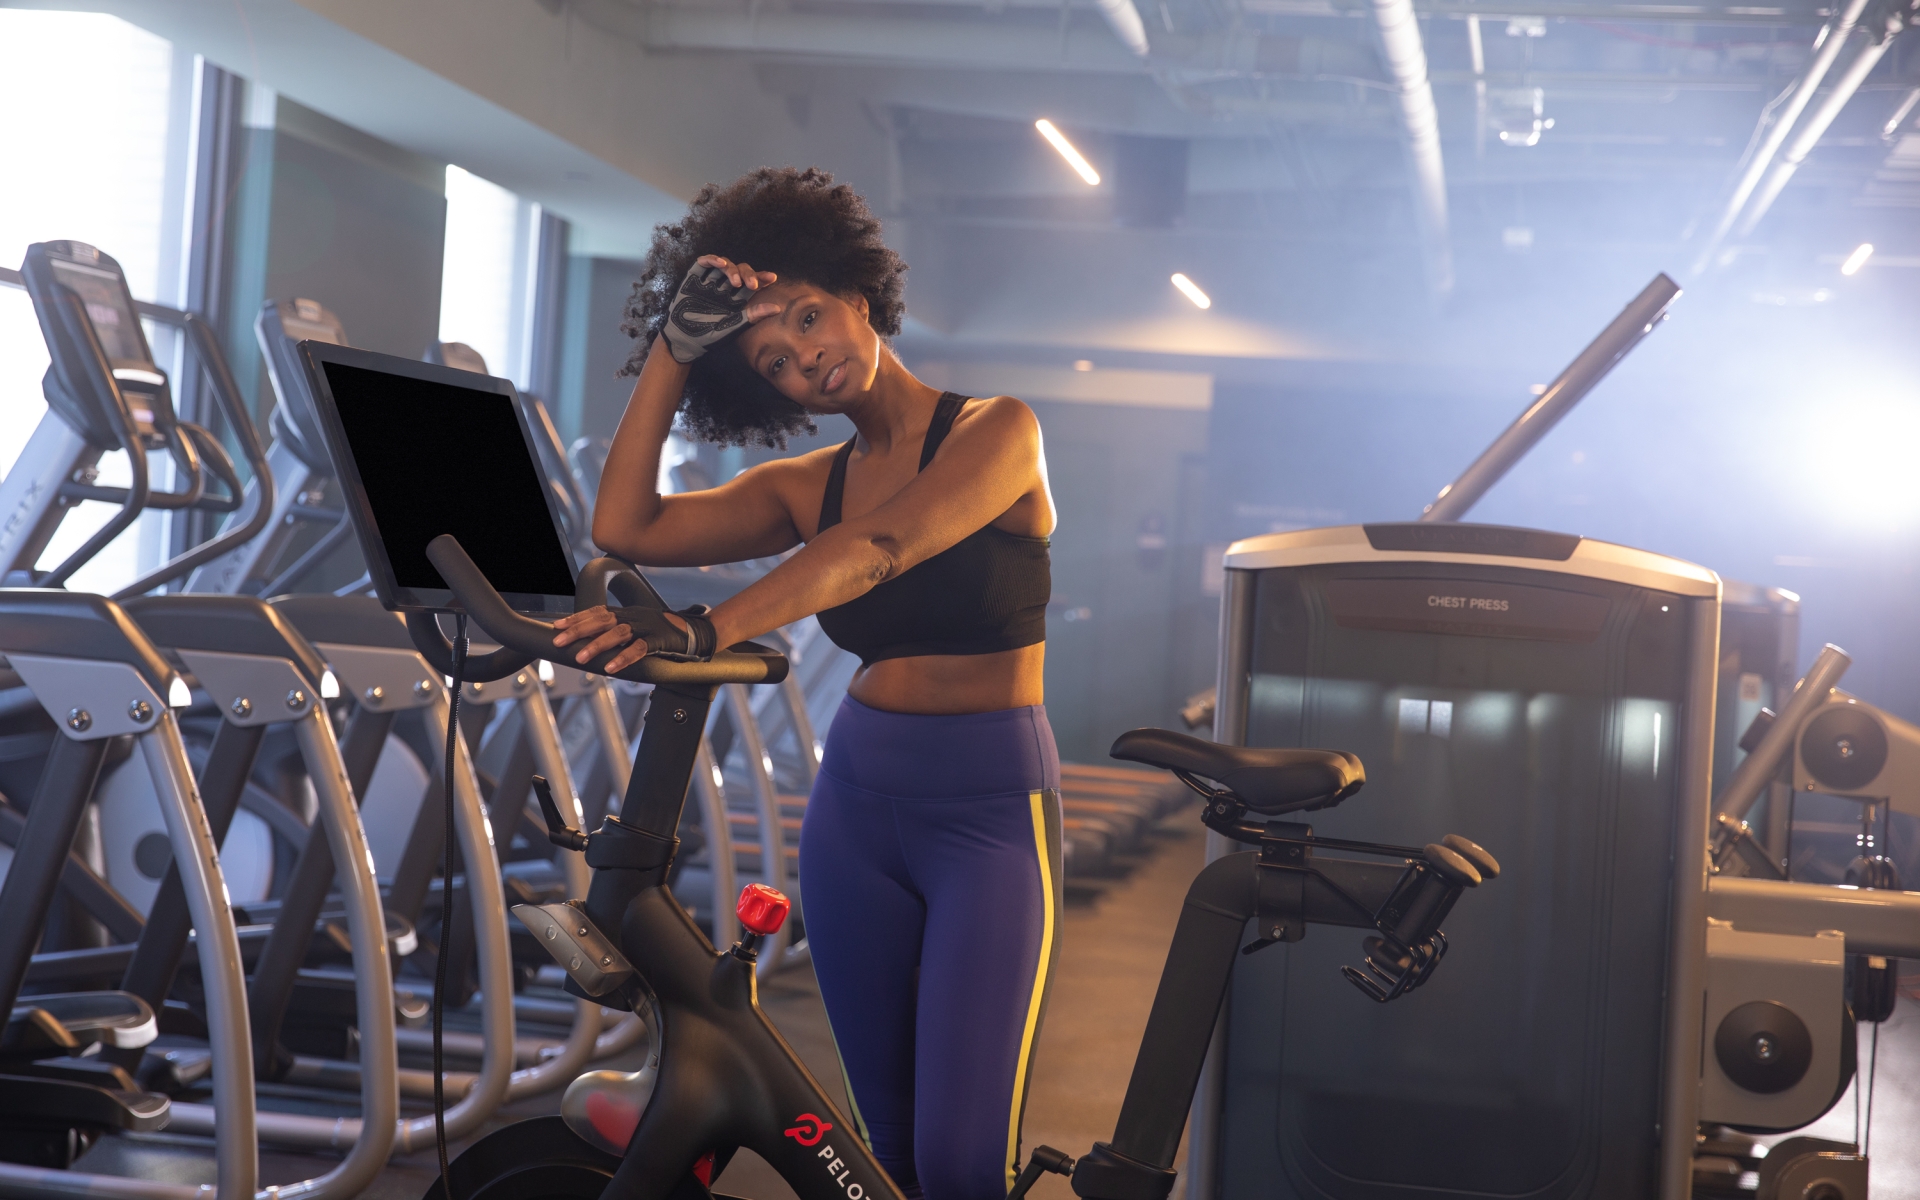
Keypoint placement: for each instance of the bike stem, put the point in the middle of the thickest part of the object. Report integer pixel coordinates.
(634, 851)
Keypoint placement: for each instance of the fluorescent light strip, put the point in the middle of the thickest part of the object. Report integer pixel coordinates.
(1074, 158)
(1191, 291)
(1857, 259)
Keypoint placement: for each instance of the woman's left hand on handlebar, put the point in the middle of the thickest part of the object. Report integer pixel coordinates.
(603, 632)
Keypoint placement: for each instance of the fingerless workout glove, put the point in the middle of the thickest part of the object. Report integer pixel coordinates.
(706, 310)
(664, 638)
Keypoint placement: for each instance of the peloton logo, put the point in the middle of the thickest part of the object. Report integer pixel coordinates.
(809, 1130)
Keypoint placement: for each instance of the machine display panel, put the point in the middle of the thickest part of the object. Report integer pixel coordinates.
(110, 308)
(424, 450)
(1538, 714)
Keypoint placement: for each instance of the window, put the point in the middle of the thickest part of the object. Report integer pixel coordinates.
(88, 164)
(487, 282)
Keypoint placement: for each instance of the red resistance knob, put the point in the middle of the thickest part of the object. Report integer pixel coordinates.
(762, 909)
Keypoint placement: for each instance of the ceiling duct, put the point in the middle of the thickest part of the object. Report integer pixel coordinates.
(1406, 61)
(1877, 34)
(975, 45)
(1124, 19)
(1826, 47)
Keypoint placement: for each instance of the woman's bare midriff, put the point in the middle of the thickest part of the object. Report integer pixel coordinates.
(946, 684)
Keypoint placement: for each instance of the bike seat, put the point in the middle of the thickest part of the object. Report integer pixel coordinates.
(1268, 781)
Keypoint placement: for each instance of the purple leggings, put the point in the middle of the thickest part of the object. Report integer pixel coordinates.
(930, 875)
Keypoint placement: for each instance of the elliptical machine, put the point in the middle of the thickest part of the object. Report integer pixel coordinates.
(722, 1076)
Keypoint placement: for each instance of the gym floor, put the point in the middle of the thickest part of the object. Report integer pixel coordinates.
(1114, 939)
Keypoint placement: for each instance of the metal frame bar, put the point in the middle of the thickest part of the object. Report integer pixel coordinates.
(236, 1152)
(1230, 729)
(1687, 930)
(489, 1087)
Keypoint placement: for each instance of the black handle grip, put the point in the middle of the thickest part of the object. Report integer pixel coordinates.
(745, 663)
(615, 584)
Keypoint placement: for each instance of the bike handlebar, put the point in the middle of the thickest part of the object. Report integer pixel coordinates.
(524, 638)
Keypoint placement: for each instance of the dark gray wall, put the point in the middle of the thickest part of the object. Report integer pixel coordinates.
(326, 212)
(359, 226)
(592, 394)
(331, 214)
(1129, 634)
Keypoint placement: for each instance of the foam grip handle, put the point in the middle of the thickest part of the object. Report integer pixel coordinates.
(615, 584)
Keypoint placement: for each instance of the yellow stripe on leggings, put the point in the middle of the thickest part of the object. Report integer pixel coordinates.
(853, 1102)
(1035, 1003)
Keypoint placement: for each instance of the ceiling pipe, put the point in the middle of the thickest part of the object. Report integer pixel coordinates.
(980, 46)
(1405, 57)
(1878, 35)
(1826, 47)
(1124, 19)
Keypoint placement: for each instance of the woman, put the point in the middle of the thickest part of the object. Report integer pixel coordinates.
(930, 851)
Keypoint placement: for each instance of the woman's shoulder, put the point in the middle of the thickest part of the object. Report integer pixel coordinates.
(797, 473)
(997, 416)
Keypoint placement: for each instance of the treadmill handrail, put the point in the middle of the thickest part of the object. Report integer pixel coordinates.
(209, 359)
(747, 662)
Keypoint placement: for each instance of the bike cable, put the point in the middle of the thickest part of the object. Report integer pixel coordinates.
(446, 906)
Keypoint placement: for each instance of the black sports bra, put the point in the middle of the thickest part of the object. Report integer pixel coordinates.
(984, 594)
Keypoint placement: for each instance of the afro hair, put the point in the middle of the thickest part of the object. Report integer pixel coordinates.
(799, 225)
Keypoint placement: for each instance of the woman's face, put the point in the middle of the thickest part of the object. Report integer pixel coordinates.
(818, 350)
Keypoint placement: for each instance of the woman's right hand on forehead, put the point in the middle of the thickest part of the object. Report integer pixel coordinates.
(715, 301)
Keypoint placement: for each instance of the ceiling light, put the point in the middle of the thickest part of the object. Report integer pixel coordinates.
(1191, 291)
(1857, 259)
(1074, 158)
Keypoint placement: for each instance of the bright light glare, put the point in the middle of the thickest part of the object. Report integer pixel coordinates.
(1074, 158)
(1857, 259)
(483, 279)
(1866, 440)
(1191, 291)
(91, 167)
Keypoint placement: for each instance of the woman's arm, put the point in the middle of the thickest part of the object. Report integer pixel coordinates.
(990, 460)
(742, 518)
(987, 464)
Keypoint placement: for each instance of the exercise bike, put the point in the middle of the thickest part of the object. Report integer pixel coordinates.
(725, 1078)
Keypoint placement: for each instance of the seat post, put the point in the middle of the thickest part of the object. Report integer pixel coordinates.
(1186, 1006)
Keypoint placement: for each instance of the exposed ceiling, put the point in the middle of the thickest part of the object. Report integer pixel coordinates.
(1259, 145)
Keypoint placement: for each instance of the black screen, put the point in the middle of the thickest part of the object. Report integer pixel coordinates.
(434, 459)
